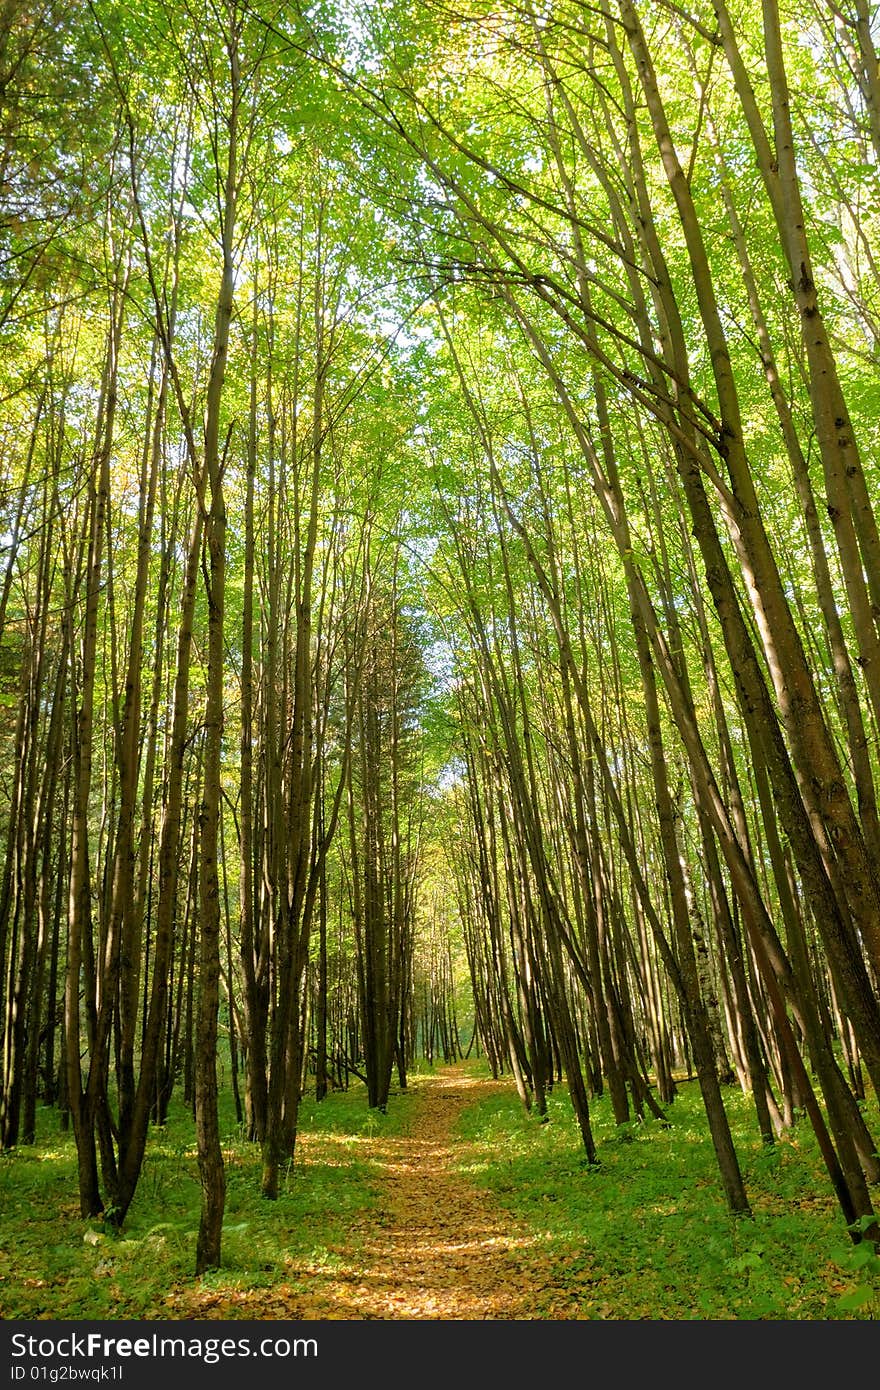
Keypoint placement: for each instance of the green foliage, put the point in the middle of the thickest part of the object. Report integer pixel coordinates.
(646, 1234)
(55, 1265)
(643, 1235)
(435, 221)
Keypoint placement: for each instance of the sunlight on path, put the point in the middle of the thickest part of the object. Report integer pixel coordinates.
(434, 1246)
(440, 1251)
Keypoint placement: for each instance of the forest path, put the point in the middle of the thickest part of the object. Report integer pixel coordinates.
(433, 1247)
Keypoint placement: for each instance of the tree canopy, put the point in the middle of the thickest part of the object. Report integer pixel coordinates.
(440, 590)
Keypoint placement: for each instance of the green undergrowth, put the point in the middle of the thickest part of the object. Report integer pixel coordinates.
(646, 1233)
(55, 1265)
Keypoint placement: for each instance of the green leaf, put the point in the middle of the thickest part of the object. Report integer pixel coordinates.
(864, 1256)
(855, 1299)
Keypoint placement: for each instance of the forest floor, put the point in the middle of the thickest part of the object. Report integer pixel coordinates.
(433, 1245)
(456, 1204)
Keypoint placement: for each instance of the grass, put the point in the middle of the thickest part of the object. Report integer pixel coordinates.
(647, 1234)
(644, 1235)
(55, 1265)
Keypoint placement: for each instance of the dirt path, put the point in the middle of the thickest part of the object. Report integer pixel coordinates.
(434, 1248)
